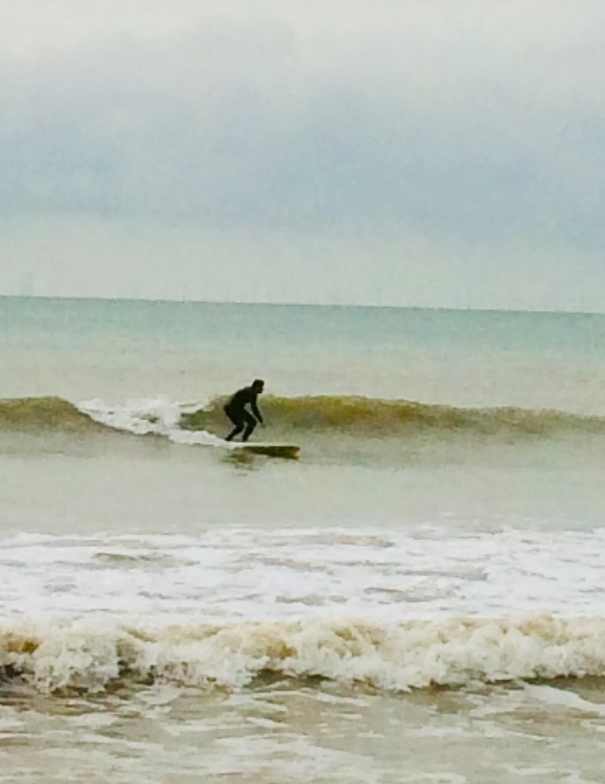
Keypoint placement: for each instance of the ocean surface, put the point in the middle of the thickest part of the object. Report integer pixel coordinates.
(419, 597)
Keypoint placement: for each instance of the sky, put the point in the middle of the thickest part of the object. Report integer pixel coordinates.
(429, 153)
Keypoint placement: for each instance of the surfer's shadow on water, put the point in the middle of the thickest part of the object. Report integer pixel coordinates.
(253, 455)
(247, 461)
(243, 461)
(247, 465)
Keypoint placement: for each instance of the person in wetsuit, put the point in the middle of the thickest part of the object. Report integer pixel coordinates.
(235, 409)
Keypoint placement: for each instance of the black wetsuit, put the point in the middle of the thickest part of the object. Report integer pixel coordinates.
(242, 419)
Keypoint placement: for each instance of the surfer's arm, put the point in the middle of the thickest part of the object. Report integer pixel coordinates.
(255, 411)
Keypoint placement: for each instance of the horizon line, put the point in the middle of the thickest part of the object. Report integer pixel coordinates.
(375, 306)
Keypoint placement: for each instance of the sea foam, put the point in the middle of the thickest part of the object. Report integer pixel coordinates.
(397, 657)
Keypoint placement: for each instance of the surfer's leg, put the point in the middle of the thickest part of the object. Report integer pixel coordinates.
(234, 432)
(250, 425)
(238, 420)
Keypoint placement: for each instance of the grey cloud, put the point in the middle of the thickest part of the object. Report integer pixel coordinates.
(428, 119)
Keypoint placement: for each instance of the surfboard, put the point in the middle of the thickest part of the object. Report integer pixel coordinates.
(270, 450)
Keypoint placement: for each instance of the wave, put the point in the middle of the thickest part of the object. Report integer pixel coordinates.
(35, 414)
(289, 417)
(371, 417)
(88, 657)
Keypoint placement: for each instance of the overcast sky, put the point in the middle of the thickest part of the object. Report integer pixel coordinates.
(403, 152)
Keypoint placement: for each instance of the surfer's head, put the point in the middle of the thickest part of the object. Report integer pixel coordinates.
(258, 385)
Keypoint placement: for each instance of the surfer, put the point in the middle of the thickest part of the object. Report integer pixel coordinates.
(235, 409)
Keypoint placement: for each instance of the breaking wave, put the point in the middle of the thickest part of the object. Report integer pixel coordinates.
(292, 417)
(393, 658)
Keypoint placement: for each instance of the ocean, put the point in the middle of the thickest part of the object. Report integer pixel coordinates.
(419, 597)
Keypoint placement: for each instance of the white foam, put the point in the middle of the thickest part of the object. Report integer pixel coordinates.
(383, 607)
(255, 574)
(156, 415)
(398, 657)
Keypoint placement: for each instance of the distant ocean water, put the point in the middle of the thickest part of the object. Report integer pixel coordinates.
(418, 598)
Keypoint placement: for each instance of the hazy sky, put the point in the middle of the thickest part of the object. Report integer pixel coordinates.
(406, 152)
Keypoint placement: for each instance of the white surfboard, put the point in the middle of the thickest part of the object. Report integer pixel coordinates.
(263, 448)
